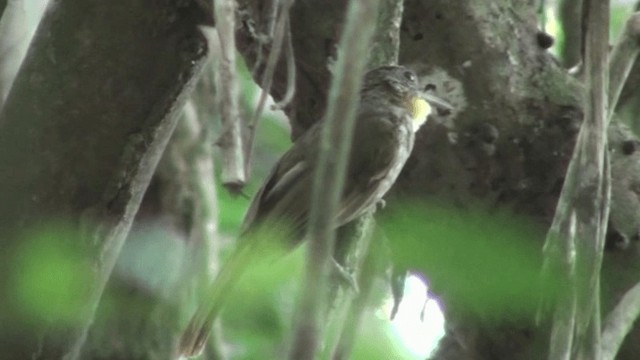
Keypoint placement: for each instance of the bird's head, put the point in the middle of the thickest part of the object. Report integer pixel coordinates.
(400, 86)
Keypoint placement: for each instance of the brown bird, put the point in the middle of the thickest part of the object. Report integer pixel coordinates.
(392, 108)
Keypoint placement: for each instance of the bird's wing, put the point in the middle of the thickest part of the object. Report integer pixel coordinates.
(284, 196)
(358, 199)
(376, 162)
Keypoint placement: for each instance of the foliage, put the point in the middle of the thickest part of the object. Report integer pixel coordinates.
(50, 276)
(485, 262)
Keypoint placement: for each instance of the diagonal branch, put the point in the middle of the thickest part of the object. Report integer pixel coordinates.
(87, 138)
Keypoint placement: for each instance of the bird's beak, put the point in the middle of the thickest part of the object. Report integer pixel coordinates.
(436, 101)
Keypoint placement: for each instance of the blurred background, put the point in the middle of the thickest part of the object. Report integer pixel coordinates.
(155, 274)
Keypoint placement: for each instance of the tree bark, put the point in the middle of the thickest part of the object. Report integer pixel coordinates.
(81, 132)
(506, 145)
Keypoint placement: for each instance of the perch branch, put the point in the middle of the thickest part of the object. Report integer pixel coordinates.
(368, 265)
(330, 172)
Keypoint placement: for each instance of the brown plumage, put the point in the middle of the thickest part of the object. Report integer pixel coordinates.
(383, 139)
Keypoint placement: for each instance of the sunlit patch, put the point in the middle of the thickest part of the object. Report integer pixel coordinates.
(419, 323)
(552, 26)
(485, 262)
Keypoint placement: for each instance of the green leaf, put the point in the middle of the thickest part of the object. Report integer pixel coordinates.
(481, 261)
(52, 276)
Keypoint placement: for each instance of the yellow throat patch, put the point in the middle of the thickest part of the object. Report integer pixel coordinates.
(419, 109)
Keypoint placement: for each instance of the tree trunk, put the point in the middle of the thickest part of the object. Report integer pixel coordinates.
(81, 132)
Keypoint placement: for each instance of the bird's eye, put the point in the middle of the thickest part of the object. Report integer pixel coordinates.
(410, 76)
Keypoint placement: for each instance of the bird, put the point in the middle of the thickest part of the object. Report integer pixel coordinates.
(391, 109)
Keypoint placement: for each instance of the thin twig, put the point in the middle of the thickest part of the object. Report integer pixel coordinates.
(265, 32)
(267, 76)
(230, 142)
(291, 71)
(206, 238)
(330, 173)
(619, 322)
(623, 57)
(188, 166)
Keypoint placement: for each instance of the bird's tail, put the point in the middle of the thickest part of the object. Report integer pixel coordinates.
(196, 334)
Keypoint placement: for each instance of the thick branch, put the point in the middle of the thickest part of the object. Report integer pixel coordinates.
(84, 130)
